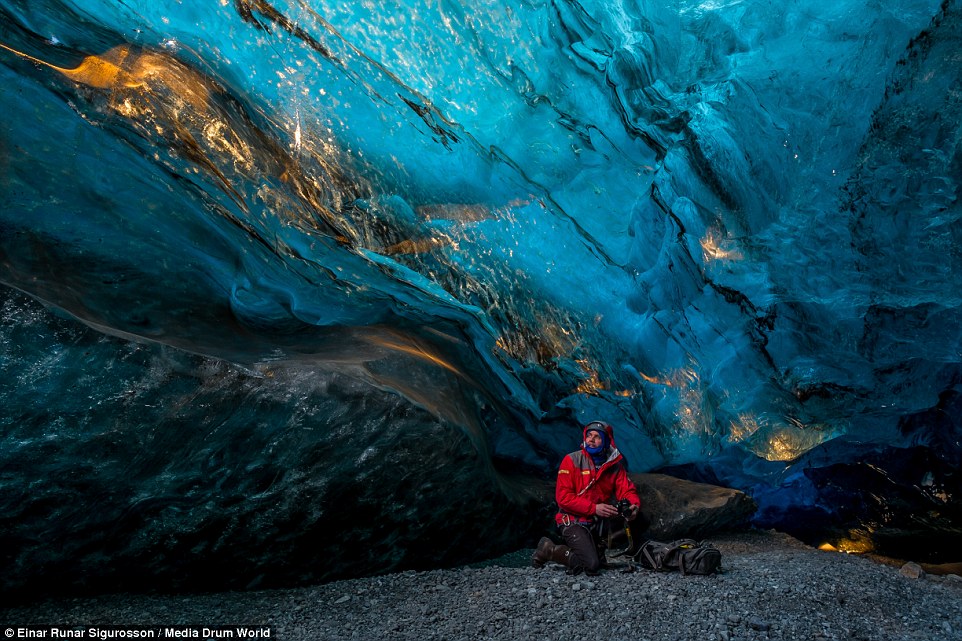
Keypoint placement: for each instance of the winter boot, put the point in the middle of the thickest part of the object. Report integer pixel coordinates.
(548, 551)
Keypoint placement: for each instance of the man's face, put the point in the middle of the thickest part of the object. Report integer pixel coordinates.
(593, 439)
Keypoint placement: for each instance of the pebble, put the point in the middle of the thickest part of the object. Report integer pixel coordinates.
(912, 571)
(514, 602)
(758, 624)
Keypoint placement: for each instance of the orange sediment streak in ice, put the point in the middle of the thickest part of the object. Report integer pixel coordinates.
(416, 351)
(653, 380)
(101, 72)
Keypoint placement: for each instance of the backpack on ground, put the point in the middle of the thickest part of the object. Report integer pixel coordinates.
(685, 555)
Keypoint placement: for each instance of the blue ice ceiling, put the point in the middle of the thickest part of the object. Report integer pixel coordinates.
(729, 228)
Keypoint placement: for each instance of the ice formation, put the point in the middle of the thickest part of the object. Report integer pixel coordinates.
(301, 289)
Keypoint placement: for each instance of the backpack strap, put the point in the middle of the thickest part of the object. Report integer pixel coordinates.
(646, 550)
(681, 565)
(673, 551)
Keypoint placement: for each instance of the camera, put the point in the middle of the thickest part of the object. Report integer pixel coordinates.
(624, 508)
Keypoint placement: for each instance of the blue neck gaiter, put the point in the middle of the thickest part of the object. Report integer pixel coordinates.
(597, 453)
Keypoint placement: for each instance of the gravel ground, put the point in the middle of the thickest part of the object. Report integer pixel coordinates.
(771, 587)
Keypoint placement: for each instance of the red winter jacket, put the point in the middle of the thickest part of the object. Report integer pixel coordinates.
(581, 485)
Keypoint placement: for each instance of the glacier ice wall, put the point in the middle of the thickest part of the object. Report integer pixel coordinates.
(337, 260)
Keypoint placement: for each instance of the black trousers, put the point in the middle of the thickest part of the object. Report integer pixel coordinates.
(586, 547)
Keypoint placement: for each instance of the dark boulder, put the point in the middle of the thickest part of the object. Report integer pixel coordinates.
(673, 508)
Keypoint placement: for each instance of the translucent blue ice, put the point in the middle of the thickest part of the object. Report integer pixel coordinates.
(729, 228)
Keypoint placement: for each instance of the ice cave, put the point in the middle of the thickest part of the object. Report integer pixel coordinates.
(295, 290)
